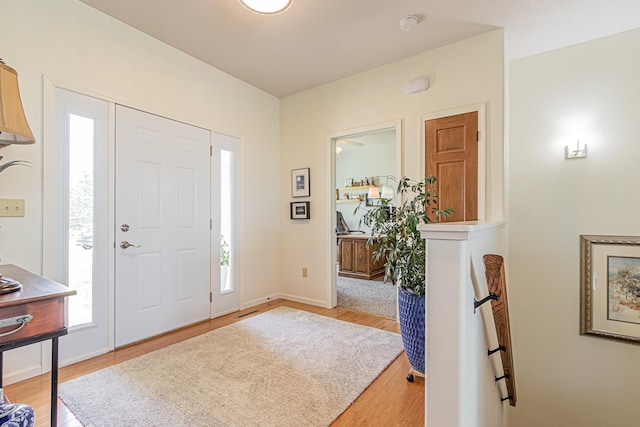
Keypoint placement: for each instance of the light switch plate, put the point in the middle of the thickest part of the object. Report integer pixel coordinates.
(11, 207)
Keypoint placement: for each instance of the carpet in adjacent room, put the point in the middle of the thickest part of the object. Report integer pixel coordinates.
(283, 367)
(368, 296)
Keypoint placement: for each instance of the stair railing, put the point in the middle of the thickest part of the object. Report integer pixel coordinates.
(496, 323)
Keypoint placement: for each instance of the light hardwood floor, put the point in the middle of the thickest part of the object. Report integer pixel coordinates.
(389, 401)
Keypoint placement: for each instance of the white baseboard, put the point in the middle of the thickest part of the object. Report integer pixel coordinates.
(224, 313)
(289, 297)
(83, 357)
(23, 374)
(318, 303)
(259, 301)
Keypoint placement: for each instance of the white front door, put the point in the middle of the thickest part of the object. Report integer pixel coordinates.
(162, 231)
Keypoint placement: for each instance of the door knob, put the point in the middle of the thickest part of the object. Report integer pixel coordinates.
(125, 245)
(124, 227)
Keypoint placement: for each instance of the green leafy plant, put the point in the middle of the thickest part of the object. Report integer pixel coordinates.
(396, 231)
(224, 251)
(12, 163)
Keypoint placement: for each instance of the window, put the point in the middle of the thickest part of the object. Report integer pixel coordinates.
(226, 221)
(80, 224)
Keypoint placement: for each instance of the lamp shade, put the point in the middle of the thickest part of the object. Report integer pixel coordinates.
(14, 128)
(373, 193)
(387, 192)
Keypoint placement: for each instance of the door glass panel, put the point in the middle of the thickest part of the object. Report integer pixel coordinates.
(80, 226)
(226, 224)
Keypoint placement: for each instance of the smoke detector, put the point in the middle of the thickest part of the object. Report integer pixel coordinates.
(409, 22)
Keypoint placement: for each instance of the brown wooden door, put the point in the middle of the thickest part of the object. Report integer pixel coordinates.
(451, 154)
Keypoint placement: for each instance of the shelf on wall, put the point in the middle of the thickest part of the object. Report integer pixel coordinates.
(349, 201)
(357, 187)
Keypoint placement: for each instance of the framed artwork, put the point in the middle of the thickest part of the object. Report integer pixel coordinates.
(348, 182)
(300, 185)
(610, 287)
(300, 210)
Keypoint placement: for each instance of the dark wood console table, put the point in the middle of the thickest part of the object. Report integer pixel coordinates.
(356, 258)
(44, 300)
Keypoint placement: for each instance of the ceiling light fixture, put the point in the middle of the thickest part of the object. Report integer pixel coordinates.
(408, 23)
(267, 7)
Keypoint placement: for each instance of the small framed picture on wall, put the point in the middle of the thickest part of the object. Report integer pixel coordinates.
(300, 210)
(300, 184)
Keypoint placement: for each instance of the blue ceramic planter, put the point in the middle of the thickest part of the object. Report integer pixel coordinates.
(17, 415)
(411, 310)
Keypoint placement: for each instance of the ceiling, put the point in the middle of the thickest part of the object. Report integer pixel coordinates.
(318, 41)
(367, 139)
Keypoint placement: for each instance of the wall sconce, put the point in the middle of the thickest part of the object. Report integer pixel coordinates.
(577, 152)
(14, 128)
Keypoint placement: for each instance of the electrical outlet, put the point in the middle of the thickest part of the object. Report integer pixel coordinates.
(305, 272)
(11, 207)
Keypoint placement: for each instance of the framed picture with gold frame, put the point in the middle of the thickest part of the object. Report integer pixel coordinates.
(610, 287)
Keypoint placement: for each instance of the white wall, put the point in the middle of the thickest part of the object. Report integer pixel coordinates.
(461, 74)
(563, 378)
(374, 159)
(80, 48)
(592, 89)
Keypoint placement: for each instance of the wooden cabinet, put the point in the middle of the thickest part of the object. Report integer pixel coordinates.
(356, 259)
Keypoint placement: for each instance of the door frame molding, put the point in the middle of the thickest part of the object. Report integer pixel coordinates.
(216, 147)
(50, 265)
(482, 147)
(332, 251)
(49, 85)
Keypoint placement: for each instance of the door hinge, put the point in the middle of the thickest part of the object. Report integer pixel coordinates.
(477, 135)
(210, 224)
(211, 151)
(210, 296)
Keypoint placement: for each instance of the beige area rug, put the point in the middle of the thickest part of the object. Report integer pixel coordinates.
(284, 367)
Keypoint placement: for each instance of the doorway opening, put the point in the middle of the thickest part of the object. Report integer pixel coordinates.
(366, 167)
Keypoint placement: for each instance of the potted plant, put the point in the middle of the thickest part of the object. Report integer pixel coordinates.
(12, 163)
(224, 261)
(403, 250)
